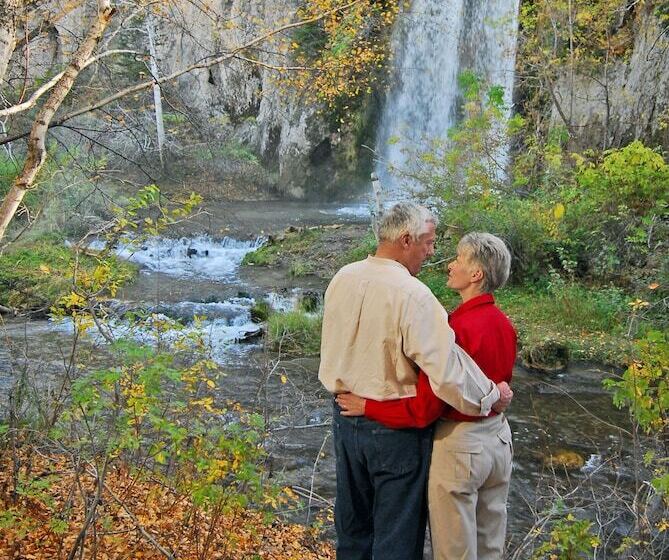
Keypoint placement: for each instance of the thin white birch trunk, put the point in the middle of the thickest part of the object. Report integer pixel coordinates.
(9, 12)
(36, 152)
(157, 96)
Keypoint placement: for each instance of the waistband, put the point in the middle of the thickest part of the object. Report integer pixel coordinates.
(488, 425)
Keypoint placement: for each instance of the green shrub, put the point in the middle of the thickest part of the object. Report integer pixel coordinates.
(364, 247)
(36, 274)
(523, 223)
(239, 152)
(570, 539)
(615, 213)
(295, 333)
(644, 387)
(260, 311)
(264, 256)
(299, 268)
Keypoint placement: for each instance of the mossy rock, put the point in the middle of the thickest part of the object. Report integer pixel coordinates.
(565, 459)
(310, 302)
(260, 312)
(546, 356)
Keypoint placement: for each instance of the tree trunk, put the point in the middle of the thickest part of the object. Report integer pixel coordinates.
(36, 152)
(157, 98)
(9, 15)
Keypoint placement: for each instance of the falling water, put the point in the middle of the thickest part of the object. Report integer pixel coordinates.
(434, 41)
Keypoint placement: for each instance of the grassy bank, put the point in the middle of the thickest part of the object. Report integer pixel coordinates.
(591, 323)
(34, 275)
(588, 323)
(288, 250)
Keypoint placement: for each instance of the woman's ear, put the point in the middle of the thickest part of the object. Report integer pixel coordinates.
(477, 275)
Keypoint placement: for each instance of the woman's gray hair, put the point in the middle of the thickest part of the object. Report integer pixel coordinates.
(491, 254)
(405, 217)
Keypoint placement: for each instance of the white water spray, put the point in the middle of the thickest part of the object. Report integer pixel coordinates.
(434, 41)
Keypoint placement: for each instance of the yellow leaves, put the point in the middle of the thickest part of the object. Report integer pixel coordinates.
(44, 269)
(353, 45)
(638, 304)
(167, 512)
(653, 286)
(101, 275)
(72, 300)
(284, 379)
(558, 211)
(204, 402)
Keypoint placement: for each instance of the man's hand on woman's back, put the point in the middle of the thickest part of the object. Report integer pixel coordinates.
(506, 396)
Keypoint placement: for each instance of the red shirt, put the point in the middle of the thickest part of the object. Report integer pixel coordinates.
(481, 330)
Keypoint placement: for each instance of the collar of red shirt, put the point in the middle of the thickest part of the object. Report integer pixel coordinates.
(483, 299)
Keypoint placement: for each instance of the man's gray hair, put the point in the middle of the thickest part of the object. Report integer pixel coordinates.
(405, 217)
(491, 254)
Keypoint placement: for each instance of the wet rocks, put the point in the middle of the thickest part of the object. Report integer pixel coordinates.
(565, 459)
(545, 356)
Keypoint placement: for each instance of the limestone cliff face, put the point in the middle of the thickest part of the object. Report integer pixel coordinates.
(236, 101)
(243, 98)
(626, 100)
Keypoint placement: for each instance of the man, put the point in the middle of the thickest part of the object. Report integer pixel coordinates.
(380, 324)
(471, 459)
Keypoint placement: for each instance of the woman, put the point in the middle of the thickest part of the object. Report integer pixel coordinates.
(471, 459)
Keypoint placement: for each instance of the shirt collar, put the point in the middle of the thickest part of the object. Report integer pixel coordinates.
(483, 299)
(386, 262)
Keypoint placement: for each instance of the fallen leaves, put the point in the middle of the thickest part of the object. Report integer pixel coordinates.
(42, 521)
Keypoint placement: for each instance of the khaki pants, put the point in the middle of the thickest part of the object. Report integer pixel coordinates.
(467, 488)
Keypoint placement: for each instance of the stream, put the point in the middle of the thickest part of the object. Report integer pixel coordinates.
(569, 416)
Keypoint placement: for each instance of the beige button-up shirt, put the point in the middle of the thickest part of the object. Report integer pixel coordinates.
(379, 325)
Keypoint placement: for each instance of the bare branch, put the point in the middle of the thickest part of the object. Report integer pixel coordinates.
(36, 153)
(53, 81)
(205, 63)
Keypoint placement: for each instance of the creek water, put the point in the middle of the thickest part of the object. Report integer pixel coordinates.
(569, 414)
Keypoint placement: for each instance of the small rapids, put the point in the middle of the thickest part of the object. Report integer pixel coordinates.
(190, 257)
(226, 326)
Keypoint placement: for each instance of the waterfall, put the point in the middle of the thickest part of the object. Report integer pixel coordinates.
(433, 42)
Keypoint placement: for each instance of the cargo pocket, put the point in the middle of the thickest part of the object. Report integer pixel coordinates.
(457, 460)
(504, 435)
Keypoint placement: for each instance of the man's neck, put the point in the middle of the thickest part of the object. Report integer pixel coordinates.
(388, 251)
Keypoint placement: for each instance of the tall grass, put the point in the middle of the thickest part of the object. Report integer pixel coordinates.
(295, 333)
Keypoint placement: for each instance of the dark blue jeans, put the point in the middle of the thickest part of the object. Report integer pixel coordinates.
(381, 506)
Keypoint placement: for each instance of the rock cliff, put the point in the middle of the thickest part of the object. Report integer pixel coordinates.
(283, 130)
(627, 98)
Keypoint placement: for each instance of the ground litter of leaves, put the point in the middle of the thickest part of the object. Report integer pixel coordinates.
(44, 520)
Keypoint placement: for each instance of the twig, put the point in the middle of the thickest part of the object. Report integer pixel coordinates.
(301, 427)
(313, 476)
(312, 495)
(166, 553)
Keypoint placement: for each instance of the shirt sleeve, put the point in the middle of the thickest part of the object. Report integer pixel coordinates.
(412, 412)
(455, 378)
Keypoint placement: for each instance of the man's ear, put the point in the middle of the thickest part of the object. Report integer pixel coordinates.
(405, 240)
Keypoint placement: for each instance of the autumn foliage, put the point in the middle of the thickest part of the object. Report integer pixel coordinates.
(42, 518)
(343, 52)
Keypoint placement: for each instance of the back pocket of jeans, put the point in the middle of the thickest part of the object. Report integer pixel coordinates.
(396, 451)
